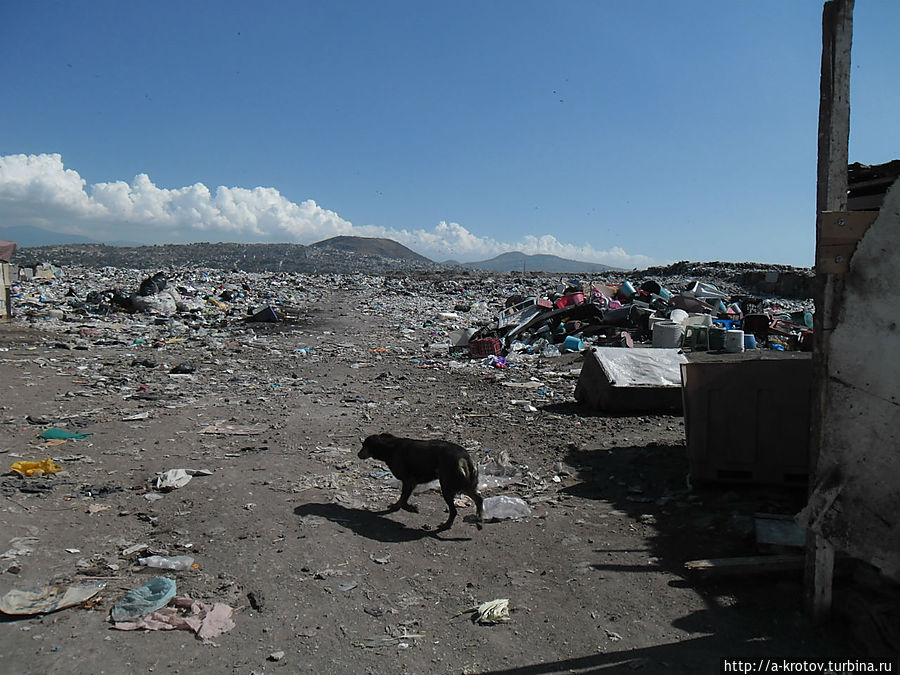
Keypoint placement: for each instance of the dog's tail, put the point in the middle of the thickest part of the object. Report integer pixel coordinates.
(468, 469)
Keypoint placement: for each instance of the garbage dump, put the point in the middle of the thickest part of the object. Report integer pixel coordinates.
(288, 521)
(697, 317)
(501, 319)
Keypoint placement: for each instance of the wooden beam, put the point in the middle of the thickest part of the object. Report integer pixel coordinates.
(831, 195)
(753, 564)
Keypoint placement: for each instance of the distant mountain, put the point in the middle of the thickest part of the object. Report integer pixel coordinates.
(515, 261)
(25, 235)
(228, 256)
(371, 246)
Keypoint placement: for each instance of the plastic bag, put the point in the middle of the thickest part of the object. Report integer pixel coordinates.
(36, 468)
(178, 562)
(143, 600)
(55, 434)
(505, 507)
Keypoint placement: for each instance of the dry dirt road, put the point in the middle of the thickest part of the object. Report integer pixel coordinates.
(284, 528)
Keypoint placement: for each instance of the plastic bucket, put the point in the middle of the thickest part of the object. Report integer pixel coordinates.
(734, 341)
(678, 316)
(626, 290)
(698, 320)
(654, 288)
(717, 338)
(653, 320)
(572, 344)
(749, 341)
(667, 334)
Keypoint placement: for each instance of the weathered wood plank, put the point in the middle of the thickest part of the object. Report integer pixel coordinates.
(831, 195)
(753, 564)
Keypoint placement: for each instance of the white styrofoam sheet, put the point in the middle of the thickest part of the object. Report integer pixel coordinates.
(641, 367)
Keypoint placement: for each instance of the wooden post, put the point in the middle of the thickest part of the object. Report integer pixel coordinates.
(831, 195)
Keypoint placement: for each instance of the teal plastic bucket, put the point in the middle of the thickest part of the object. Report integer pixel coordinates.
(572, 344)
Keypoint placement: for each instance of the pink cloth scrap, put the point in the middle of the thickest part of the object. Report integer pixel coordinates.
(205, 620)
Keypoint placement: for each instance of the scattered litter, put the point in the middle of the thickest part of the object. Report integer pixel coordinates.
(56, 434)
(136, 548)
(46, 466)
(143, 600)
(39, 420)
(490, 612)
(178, 562)
(400, 640)
(232, 430)
(505, 507)
(172, 479)
(20, 546)
(205, 620)
(256, 600)
(136, 417)
(48, 599)
(266, 315)
(614, 637)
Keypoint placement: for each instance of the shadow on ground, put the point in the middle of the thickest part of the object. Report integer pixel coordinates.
(748, 613)
(375, 525)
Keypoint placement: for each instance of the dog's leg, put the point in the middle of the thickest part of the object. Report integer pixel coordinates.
(403, 502)
(473, 493)
(449, 494)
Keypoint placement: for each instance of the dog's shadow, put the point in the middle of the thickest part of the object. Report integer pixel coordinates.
(370, 524)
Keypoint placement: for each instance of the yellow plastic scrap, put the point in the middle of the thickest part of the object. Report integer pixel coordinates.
(36, 468)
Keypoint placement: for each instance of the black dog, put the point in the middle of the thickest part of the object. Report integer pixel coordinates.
(415, 462)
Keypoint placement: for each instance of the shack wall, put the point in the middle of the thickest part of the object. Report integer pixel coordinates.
(856, 502)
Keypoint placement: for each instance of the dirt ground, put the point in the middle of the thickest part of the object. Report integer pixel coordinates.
(285, 528)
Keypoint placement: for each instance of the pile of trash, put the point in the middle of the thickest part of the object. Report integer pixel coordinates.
(700, 316)
(195, 295)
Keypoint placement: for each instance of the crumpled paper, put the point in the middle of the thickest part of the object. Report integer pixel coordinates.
(205, 620)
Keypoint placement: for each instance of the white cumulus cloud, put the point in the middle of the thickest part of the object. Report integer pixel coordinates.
(38, 190)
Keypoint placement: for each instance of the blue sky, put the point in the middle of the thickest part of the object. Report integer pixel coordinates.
(630, 133)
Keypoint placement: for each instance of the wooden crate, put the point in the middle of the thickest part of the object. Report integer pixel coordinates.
(747, 421)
